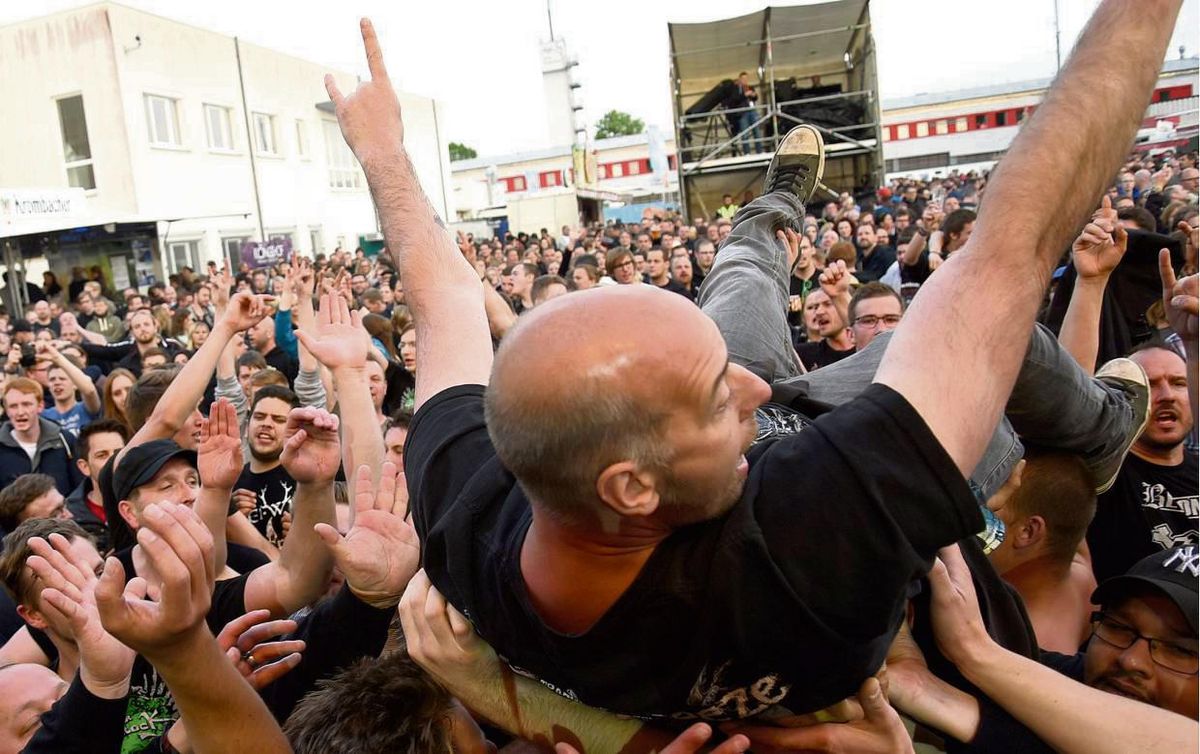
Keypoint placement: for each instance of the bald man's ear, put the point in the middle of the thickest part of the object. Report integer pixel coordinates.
(627, 489)
(1030, 532)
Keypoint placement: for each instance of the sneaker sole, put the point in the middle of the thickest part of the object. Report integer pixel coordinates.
(1125, 370)
(799, 144)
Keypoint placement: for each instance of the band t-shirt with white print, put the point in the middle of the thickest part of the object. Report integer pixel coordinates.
(273, 490)
(781, 606)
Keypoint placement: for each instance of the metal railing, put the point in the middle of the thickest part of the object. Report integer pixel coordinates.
(714, 145)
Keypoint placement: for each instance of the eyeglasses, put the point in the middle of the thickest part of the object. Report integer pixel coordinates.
(870, 321)
(1167, 654)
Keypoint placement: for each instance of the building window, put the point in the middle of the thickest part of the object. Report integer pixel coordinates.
(182, 254)
(514, 184)
(617, 170)
(314, 236)
(922, 129)
(343, 170)
(981, 120)
(162, 116)
(233, 249)
(887, 133)
(941, 127)
(1002, 118)
(77, 150)
(960, 124)
(217, 121)
(264, 134)
(301, 139)
(550, 179)
(902, 131)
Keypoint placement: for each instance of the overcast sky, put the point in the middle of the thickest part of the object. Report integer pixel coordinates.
(481, 57)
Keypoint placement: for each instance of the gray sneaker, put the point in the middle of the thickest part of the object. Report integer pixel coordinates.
(798, 163)
(1128, 377)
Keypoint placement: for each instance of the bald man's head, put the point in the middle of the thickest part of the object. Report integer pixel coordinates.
(562, 409)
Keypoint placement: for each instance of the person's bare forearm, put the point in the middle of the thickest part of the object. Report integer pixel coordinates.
(538, 714)
(83, 383)
(499, 314)
(239, 530)
(362, 440)
(186, 390)
(1080, 333)
(92, 337)
(1065, 155)
(212, 506)
(442, 290)
(1070, 716)
(974, 317)
(912, 252)
(301, 574)
(222, 712)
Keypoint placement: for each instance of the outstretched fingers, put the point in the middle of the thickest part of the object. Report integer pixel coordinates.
(374, 53)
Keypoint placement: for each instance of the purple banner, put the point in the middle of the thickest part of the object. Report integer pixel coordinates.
(257, 254)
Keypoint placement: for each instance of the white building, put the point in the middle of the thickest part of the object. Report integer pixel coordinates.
(185, 142)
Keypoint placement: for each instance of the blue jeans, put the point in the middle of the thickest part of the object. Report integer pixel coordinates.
(1054, 403)
(750, 140)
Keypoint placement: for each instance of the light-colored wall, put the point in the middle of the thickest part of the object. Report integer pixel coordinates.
(204, 192)
(64, 54)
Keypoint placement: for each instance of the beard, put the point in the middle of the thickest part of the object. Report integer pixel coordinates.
(266, 456)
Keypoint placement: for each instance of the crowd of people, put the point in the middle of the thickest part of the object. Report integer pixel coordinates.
(909, 470)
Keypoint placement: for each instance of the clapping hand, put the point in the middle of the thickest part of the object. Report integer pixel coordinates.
(261, 662)
(180, 548)
(369, 116)
(312, 452)
(380, 553)
(219, 457)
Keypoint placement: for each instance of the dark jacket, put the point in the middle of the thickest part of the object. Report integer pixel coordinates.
(125, 353)
(55, 456)
(78, 508)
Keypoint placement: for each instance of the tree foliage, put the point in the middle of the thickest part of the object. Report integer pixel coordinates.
(461, 152)
(617, 123)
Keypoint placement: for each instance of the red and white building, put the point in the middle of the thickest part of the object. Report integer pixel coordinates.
(971, 129)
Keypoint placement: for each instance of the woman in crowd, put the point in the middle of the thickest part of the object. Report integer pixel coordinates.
(116, 391)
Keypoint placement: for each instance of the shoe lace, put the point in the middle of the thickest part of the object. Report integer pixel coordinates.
(786, 178)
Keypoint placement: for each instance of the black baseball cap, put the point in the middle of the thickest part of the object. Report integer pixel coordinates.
(141, 462)
(1174, 572)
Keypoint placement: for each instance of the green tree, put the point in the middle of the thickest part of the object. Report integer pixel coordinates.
(617, 123)
(461, 152)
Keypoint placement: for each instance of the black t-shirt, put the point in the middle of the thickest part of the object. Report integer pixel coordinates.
(274, 490)
(787, 601)
(817, 354)
(875, 266)
(284, 362)
(674, 287)
(1149, 508)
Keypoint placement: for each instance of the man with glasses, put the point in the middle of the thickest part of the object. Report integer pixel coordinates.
(875, 308)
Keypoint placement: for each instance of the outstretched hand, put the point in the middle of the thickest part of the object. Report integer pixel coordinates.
(219, 457)
(1099, 248)
(690, 741)
(1181, 299)
(339, 338)
(245, 310)
(261, 662)
(69, 598)
(380, 553)
(369, 116)
(312, 451)
(440, 639)
(180, 547)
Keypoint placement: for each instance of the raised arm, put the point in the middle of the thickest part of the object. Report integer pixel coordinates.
(1181, 299)
(1096, 253)
(454, 346)
(835, 281)
(219, 461)
(311, 456)
(221, 711)
(956, 356)
(83, 383)
(1067, 715)
(185, 392)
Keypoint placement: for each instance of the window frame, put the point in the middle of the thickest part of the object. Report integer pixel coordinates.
(272, 149)
(174, 129)
(342, 170)
(88, 162)
(229, 133)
